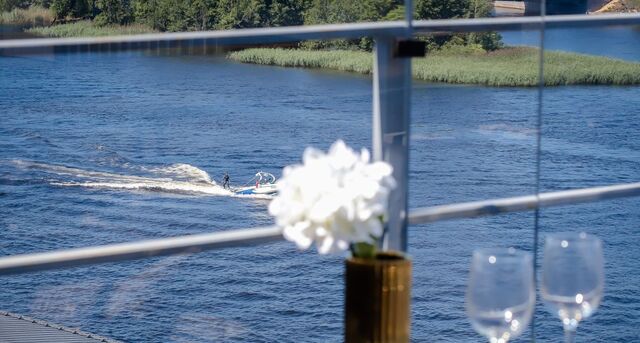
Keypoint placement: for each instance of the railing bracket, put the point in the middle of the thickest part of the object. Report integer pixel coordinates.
(410, 48)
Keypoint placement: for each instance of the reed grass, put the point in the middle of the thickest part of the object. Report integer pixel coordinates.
(87, 28)
(25, 18)
(511, 66)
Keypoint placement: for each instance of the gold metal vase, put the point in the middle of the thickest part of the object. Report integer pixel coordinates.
(377, 299)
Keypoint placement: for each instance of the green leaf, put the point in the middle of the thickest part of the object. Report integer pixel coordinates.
(363, 250)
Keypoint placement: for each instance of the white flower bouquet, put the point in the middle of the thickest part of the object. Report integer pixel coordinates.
(339, 200)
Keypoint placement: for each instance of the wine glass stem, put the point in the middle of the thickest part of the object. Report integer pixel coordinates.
(569, 336)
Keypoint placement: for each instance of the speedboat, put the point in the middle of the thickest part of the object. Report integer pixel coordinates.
(263, 183)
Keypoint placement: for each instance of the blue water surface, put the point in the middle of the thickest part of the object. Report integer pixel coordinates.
(100, 148)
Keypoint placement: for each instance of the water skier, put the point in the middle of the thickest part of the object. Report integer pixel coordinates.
(225, 181)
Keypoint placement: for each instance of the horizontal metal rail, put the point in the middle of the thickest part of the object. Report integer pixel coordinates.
(523, 203)
(136, 250)
(270, 35)
(246, 237)
(273, 35)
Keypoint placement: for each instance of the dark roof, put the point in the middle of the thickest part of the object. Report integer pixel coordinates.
(15, 328)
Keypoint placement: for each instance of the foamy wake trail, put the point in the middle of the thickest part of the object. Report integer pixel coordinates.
(177, 178)
(177, 187)
(183, 171)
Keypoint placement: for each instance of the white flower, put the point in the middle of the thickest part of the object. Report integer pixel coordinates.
(333, 199)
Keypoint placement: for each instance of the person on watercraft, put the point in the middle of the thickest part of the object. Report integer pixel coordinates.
(225, 181)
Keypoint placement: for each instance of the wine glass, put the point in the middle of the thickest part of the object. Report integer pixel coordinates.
(572, 278)
(501, 293)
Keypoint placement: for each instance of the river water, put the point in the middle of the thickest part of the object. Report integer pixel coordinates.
(116, 147)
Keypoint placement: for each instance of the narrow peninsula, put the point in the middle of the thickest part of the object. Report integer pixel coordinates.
(504, 67)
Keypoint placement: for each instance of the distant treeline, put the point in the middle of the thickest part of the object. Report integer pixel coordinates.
(192, 15)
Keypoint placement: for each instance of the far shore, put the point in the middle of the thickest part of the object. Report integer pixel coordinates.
(458, 64)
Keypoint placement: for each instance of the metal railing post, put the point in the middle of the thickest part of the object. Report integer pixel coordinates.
(391, 99)
(408, 13)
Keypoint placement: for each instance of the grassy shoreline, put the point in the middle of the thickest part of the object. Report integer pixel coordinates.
(26, 18)
(87, 28)
(511, 66)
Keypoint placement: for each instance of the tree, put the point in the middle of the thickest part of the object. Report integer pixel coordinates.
(43, 3)
(488, 40)
(286, 12)
(200, 15)
(395, 14)
(113, 12)
(375, 10)
(71, 8)
(186, 15)
(235, 14)
(61, 8)
(330, 12)
(442, 9)
(9, 5)
(449, 9)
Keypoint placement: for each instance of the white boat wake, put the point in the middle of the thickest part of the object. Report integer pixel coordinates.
(176, 179)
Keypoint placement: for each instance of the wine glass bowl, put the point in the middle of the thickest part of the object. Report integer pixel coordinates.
(572, 281)
(501, 294)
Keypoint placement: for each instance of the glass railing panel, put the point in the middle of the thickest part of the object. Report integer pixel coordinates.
(590, 139)
(473, 137)
(441, 254)
(120, 146)
(615, 222)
